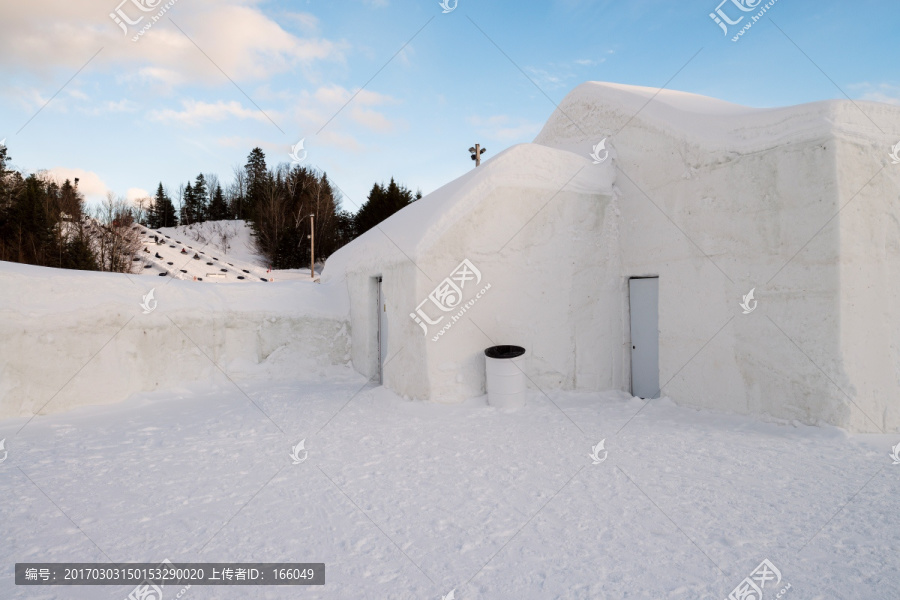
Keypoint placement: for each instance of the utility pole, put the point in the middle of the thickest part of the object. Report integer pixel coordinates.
(476, 152)
(312, 247)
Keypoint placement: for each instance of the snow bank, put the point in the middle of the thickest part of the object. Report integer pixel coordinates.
(78, 338)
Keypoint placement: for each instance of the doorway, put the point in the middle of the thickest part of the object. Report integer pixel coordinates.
(382, 329)
(643, 294)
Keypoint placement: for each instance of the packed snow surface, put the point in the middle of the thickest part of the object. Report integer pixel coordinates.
(403, 500)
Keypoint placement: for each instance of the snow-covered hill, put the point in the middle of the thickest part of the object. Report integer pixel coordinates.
(216, 251)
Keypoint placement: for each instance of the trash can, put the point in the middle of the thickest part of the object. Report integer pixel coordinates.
(505, 378)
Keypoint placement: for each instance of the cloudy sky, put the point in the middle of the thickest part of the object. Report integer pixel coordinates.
(381, 88)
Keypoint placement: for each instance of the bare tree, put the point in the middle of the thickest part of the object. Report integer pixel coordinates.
(212, 181)
(237, 191)
(180, 203)
(141, 206)
(116, 241)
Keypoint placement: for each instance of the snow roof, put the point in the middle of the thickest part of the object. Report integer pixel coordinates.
(595, 111)
(603, 109)
(412, 230)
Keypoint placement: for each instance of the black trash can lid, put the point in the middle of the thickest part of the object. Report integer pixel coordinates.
(504, 351)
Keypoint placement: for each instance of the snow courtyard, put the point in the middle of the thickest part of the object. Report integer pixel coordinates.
(147, 419)
(410, 500)
(449, 300)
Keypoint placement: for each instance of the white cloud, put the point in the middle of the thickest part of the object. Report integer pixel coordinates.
(197, 111)
(336, 106)
(545, 79)
(235, 141)
(110, 106)
(305, 21)
(136, 194)
(590, 62)
(504, 128)
(559, 75)
(235, 35)
(89, 184)
(371, 120)
(124, 105)
(881, 92)
(338, 140)
(29, 98)
(336, 95)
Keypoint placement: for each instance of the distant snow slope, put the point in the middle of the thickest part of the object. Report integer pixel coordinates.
(224, 253)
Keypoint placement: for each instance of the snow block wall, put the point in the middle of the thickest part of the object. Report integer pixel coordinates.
(869, 233)
(718, 199)
(74, 338)
(561, 302)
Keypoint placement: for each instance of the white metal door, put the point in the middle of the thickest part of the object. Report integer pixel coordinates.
(644, 299)
(382, 331)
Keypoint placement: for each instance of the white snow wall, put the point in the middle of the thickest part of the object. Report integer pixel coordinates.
(539, 224)
(869, 230)
(718, 204)
(70, 339)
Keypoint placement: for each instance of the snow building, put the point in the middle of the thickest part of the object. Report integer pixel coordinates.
(731, 258)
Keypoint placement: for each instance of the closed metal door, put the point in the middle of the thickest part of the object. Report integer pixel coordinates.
(382, 331)
(643, 295)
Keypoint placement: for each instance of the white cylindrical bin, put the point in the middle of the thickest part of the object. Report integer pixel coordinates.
(505, 377)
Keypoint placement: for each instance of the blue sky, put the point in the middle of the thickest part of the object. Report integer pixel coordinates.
(212, 79)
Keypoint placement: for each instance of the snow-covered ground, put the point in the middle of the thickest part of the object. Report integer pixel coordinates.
(411, 500)
(224, 254)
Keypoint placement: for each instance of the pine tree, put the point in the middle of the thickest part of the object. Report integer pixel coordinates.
(162, 211)
(188, 205)
(257, 181)
(218, 208)
(381, 204)
(168, 217)
(153, 213)
(79, 255)
(201, 199)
